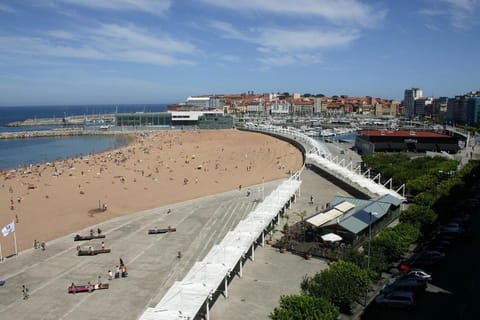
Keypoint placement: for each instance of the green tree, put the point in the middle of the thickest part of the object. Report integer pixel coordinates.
(421, 183)
(418, 215)
(425, 199)
(303, 307)
(342, 284)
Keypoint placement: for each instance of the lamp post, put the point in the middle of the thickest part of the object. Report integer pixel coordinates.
(370, 236)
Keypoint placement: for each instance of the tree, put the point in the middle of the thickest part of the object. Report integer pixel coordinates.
(342, 284)
(303, 307)
(418, 215)
(425, 199)
(302, 214)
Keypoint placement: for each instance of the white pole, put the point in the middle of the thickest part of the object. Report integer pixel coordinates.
(208, 310)
(1, 256)
(15, 238)
(263, 188)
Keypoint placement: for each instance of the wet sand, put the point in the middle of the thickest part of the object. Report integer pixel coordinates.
(156, 169)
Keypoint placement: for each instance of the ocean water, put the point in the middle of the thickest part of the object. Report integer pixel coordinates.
(11, 114)
(20, 152)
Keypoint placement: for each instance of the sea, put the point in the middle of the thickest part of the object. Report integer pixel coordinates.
(20, 152)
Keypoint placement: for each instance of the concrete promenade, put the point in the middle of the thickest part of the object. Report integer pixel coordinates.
(151, 260)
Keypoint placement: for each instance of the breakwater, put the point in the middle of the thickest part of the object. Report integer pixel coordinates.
(55, 133)
(64, 121)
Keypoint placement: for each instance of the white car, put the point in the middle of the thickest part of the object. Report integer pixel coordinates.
(418, 274)
(397, 299)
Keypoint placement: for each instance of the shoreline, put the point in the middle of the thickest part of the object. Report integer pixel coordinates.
(157, 168)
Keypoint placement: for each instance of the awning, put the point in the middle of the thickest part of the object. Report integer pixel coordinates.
(344, 206)
(321, 218)
(331, 237)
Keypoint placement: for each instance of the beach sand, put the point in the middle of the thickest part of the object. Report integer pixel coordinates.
(158, 168)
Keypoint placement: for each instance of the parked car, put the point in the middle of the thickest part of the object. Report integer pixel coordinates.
(452, 228)
(405, 284)
(419, 274)
(424, 259)
(432, 255)
(397, 299)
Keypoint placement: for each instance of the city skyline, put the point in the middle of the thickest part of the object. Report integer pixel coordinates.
(147, 51)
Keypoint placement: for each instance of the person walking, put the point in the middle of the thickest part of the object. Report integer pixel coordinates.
(25, 292)
(110, 275)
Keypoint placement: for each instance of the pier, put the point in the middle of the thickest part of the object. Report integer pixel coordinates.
(65, 121)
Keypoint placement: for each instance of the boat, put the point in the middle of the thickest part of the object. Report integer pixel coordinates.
(87, 288)
(92, 252)
(90, 237)
(164, 230)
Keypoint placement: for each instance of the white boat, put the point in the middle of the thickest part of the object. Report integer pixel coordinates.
(327, 133)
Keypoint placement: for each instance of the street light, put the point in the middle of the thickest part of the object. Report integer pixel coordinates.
(370, 236)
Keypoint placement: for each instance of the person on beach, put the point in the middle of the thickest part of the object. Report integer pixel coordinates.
(103, 245)
(124, 271)
(110, 274)
(25, 292)
(42, 245)
(117, 272)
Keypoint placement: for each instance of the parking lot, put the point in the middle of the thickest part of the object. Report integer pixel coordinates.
(452, 293)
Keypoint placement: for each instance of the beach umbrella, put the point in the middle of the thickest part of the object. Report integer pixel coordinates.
(331, 237)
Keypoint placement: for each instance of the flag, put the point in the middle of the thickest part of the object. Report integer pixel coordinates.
(8, 228)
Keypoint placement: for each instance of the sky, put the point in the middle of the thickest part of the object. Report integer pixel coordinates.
(162, 51)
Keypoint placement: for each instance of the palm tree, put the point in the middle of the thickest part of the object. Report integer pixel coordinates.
(302, 214)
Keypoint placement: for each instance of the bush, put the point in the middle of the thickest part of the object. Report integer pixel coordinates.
(303, 307)
(342, 284)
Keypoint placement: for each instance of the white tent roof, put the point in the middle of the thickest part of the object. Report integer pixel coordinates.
(331, 237)
(185, 298)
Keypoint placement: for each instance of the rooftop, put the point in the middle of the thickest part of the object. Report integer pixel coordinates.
(402, 133)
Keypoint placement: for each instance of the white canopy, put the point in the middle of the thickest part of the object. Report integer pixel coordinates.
(331, 237)
(185, 298)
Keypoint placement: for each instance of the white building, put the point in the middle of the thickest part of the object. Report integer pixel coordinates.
(280, 107)
(203, 102)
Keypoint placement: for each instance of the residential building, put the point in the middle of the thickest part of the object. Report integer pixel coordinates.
(410, 96)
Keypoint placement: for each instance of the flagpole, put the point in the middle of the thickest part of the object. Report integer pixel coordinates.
(15, 238)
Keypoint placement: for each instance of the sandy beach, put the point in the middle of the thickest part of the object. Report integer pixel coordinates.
(158, 168)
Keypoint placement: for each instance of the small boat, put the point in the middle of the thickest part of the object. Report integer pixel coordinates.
(92, 252)
(164, 230)
(90, 237)
(87, 288)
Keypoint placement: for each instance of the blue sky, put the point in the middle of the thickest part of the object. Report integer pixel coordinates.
(162, 51)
